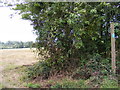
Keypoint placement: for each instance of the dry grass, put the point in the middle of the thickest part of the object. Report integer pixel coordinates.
(11, 59)
(23, 56)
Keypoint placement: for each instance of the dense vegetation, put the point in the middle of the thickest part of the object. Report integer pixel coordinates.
(73, 37)
(16, 44)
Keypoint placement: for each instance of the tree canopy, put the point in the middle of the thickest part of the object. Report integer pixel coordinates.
(70, 32)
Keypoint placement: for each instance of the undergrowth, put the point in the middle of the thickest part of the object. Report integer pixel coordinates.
(109, 83)
(70, 84)
(88, 75)
(39, 69)
(32, 85)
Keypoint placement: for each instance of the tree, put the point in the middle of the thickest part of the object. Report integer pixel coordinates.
(70, 32)
(16, 44)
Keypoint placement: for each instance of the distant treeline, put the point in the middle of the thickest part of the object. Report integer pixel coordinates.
(16, 44)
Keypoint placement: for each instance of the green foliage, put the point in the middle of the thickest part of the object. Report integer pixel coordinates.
(39, 69)
(32, 85)
(2, 86)
(108, 83)
(93, 82)
(70, 84)
(72, 33)
(99, 64)
(80, 73)
(94, 65)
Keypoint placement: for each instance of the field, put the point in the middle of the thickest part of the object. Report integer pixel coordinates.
(11, 66)
(13, 63)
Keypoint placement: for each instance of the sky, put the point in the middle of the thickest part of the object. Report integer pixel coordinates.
(15, 28)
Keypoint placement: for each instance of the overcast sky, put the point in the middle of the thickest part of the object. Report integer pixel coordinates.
(15, 29)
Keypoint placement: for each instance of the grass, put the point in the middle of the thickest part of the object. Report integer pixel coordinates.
(69, 83)
(13, 63)
(13, 77)
(66, 83)
(9, 67)
(32, 85)
(1, 86)
(108, 83)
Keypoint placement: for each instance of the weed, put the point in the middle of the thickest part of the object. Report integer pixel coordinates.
(51, 81)
(10, 67)
(57, 85)
(109, 83)
(70, 84)
(32, 85)
(39, 69)
(1, 86)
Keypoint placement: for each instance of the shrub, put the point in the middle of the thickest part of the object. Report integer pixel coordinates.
(81, 73)
(39, 69)
(94, 65)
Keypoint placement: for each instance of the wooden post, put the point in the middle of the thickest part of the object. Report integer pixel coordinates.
(113, 55)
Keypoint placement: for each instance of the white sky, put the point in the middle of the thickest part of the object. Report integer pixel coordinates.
(15, 29)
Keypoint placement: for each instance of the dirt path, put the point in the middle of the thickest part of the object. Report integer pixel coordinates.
(10, 59)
